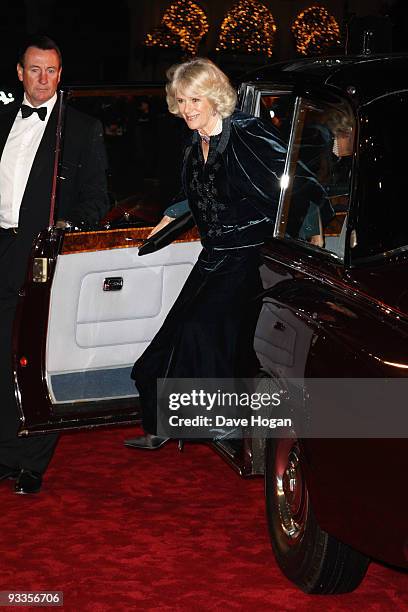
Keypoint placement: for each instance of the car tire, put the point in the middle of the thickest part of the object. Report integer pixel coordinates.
(311, 558)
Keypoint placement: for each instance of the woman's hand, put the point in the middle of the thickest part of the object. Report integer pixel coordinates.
(317, 240)
(162, 223)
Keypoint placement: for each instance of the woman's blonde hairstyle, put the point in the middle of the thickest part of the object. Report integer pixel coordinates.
(204, 78)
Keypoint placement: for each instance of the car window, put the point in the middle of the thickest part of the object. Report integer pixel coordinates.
(382, 225)
(316, 184)
(139, 132)
(278, 109)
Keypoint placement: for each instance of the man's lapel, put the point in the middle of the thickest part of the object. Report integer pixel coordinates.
(46, 150)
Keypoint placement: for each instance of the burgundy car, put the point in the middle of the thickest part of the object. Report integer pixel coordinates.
(334, 305)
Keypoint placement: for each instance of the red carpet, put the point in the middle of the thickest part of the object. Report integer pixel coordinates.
(120, 529)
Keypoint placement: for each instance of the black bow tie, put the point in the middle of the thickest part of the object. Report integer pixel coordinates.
(27, 111)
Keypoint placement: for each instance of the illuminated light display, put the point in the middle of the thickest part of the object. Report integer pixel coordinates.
(162, 37)
(184, 24)
(248, 27)
(315, 31)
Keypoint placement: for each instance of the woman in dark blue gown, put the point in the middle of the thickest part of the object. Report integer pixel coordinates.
(230, 178)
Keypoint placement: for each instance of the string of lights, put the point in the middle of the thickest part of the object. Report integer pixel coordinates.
(248, 27)
(184, 24)
(315, 31)
(162, 37)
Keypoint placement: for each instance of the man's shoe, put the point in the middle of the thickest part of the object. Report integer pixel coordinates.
(8, 472)
(148, 442)
(28, 482)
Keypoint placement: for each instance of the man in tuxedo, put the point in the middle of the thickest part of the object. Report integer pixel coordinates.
(27, 150)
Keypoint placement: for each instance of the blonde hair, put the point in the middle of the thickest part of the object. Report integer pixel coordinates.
(340, 119)
(203, 77)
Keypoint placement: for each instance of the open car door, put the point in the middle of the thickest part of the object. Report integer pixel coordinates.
(90, 304)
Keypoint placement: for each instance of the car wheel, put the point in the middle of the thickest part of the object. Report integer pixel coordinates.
(311, 558)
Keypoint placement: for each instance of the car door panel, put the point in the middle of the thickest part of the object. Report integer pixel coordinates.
(96, 313)
(90, 304)
(98, 330)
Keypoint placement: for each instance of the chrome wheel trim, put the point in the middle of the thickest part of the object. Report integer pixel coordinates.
(290, 491)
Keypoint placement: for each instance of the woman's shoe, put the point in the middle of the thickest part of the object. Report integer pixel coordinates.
(148, 442)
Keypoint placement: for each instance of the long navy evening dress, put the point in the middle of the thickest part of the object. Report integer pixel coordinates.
(233, 197)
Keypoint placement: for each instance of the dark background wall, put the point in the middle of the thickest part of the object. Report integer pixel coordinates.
(106, 44)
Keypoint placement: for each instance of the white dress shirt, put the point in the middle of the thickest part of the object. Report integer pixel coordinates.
(16, 161)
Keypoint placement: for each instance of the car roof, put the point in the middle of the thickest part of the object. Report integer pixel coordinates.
(364, 78)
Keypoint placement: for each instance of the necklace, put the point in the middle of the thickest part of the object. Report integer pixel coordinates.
(204, 138)
(217, 129)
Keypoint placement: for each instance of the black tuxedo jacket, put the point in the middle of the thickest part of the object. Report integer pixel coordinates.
(81, 189)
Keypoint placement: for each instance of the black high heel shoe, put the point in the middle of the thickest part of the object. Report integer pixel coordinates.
(151, 442)
(147, 442)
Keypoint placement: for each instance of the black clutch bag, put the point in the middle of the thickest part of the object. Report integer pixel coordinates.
(169, 233)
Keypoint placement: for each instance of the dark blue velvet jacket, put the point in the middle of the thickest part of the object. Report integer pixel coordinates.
(234, 195)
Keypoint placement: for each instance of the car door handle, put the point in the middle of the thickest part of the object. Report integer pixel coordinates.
(113, 283)
(279, 326)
